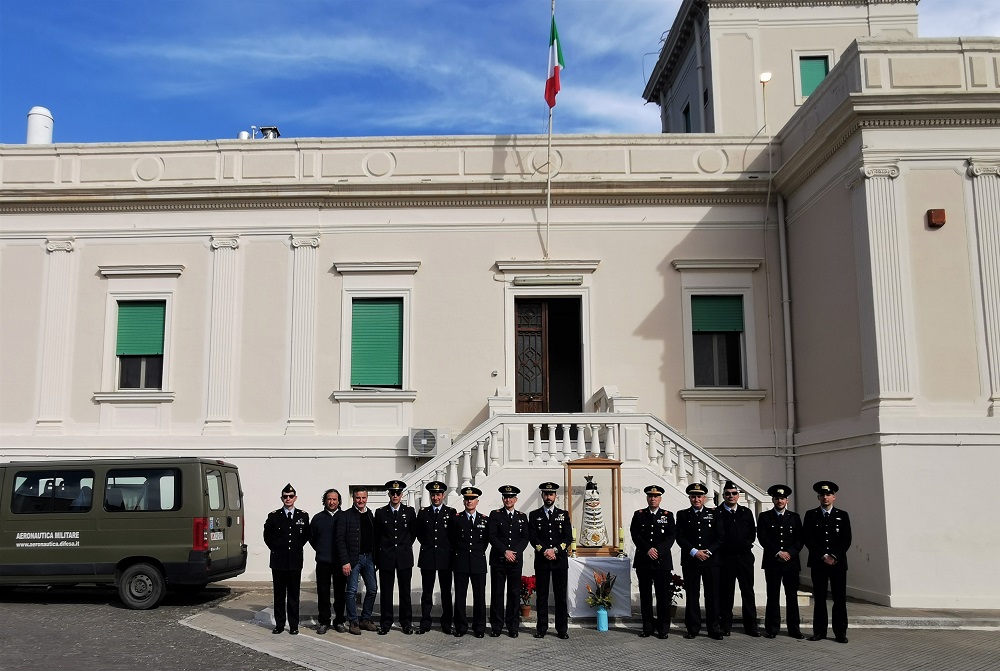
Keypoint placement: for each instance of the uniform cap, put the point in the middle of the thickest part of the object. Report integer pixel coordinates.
(826, 487)
(779, 491)
(509, 490)
(288, 489)
(548, 487)
(436, 487)
(654, 489)
(729, 485)
(472, 492)
(696, 488)
(395, 485)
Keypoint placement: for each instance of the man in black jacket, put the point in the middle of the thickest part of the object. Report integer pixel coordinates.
(286, 531)
(653, 531)
(827, 533)
(550, 533)
(355, 535)
(433, 524)
(395, 525)
(700, 535)
(508, 539)
(469, 536)
(322, 538)
(779, 531)
(736, 561)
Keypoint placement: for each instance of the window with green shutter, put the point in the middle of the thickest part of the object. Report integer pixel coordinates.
(377, 342)
(717, 340)
(812, 71)
(140, 344)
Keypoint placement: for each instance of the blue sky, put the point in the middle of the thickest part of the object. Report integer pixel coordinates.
(138, 70)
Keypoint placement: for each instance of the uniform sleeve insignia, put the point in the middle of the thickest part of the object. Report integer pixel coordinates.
(538, 548)
(562, 546)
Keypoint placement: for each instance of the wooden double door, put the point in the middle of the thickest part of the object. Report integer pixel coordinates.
(549, 351)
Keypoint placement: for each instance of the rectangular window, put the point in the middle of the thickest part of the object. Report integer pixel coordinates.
(686, 114)
(717, 340)
(812, 71)
(377, 342)
(143, 490)
(233, 491)
(52, 491)
(213, 482)
(140, 344)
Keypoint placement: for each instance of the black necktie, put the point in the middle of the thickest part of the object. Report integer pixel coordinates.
(288, 514)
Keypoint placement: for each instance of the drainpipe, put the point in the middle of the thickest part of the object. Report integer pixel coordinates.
(787, 330)
(701, 76)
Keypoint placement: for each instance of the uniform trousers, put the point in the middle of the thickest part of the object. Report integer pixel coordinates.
(286, 592)
(694, 577)
(505, 610)
(651, 581)
(733, 569)
(478, 581)
(837, 578)
(327, 573)
(427, 576)
(402, 577)
(772, 612)
(559, 578)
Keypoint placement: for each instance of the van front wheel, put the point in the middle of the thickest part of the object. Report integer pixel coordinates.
(141, 586)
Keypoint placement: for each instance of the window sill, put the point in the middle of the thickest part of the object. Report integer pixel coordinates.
(723, 394)
(135, 396)
(392, 395)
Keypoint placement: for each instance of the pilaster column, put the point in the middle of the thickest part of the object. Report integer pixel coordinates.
(303, 342)
(881, 287)
(56, 330)
(222, 336)
(986, 201)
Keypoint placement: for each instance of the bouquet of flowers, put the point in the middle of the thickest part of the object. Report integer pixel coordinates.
(527, 589)
(600, 593)
(676, 588)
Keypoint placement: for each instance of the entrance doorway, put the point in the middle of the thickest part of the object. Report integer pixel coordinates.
(549, 354)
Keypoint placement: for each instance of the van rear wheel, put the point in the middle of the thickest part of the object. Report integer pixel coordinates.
(141, 586)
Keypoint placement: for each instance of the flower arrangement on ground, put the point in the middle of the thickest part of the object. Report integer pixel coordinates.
(600, 593)
(527, 589)
(676, 588)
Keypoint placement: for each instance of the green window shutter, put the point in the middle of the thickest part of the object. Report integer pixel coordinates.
(377, 342)
(812, 70)
(717, 313)
(140, 327)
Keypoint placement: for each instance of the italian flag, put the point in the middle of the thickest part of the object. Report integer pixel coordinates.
(556, 63)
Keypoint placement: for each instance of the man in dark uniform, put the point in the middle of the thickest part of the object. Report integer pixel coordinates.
(433, 523)
(469, 535)
(826, 531)
(508, 539)
(779, 531)
(736, 561)
(550, 533)
(700, 535)
(395, 525)
(321, 537)
(286, 531)
(653, 532)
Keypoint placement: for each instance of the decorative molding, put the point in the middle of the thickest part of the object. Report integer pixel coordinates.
(717, 264)
(134, 396)
(978, 168)
(223, 335)
(549, 265)
(133, 271)
(368, 395)
(346, 267)
(986, 214)
(56, 245)
(723, 394)
(299, 241)
(869, 170)
(226, 242)
(303, 336)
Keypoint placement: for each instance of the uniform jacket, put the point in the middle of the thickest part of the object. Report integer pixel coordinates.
(321, 536)
(741, 531)
(649, 531)
(435, 543)
(394, 536)
(285, 538)
(556, 533)
(468, 542)
(702, 531)
(827, 535)
(778, 533)
(507, 534)
(347, 531)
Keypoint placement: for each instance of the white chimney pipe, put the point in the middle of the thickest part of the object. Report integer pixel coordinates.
(39, 126)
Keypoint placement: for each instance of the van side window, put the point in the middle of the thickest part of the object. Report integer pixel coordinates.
(213, 480)
(233, 497)
(52, 491)
(143, 489)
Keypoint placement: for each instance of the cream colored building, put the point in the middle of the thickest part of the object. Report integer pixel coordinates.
(778, 307)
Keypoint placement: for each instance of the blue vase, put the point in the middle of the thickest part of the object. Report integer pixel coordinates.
(602, 618)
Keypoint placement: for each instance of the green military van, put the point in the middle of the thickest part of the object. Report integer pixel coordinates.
(143, 524)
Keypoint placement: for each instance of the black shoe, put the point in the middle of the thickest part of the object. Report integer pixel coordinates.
(480, 634)
(798, 635)
(724, 632)
(715, 636)
(563, 635)
(382, 631)
(689, 635)
(512, 634)
(322, 629)
(539, 634)
(840, 639)
(278, 630)
(495, 633)
(645, 634)
(293, 632)
(459, 634)
(768, 634)
(753, 634)
(421, 631)
(408, 630)
(817, 637)
(662, 635)
(341, 628)
(448, 630)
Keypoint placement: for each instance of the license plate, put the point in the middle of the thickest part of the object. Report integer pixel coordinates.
(217, 536)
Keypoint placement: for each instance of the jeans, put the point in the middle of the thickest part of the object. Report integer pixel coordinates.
(366, 568)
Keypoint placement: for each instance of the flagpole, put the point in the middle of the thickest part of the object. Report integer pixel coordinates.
(548, 171)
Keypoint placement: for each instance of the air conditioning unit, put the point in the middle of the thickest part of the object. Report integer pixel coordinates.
(428, 442)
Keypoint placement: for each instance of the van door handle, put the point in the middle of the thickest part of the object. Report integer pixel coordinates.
(229, 521)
